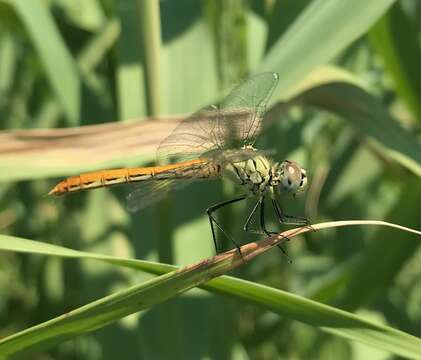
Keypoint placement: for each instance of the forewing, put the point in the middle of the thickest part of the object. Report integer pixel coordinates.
(193, 137)
(235, 122)
(241, 112)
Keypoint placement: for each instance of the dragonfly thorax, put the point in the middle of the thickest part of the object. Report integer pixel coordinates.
(261, 175)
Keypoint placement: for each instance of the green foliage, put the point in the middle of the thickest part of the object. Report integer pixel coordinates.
(346, 108)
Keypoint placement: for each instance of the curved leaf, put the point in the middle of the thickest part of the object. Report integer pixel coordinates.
(367, 114)
(321, 31)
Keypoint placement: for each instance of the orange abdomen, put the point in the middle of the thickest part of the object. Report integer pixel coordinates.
(200, 168)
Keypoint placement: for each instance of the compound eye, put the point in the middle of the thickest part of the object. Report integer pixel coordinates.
(303, 182)
(293, 179)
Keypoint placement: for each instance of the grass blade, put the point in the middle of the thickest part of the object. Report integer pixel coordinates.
(395, 40)
(367, 114)
(322, 30)
(47, 40)
(113, 307)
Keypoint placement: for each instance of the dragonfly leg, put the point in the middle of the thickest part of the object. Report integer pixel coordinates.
(263, 222)
(263, 230)
(212, 221)
(270, 233)
(247, 223)
(260, 203)
(287, 219)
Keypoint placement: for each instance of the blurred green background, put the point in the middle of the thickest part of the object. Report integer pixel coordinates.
(347, 108)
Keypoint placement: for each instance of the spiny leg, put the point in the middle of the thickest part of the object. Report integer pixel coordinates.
(212, 221)
(287, 219)
(263, 229)
(262, 220)
(247, 223)
(270, 233)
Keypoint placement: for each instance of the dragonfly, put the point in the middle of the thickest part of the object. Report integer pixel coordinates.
(215, 142)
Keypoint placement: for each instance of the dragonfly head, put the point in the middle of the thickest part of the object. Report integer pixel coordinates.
(290, 177)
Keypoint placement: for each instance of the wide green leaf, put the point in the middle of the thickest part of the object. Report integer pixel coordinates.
(395, 40)
(321, 31)
(367, 114)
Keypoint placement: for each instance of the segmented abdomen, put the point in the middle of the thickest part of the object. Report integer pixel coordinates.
(195, 169)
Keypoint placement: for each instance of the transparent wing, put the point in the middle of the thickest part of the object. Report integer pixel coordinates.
(148, 192)
(232, 124)
(242, 111)
(194, 136)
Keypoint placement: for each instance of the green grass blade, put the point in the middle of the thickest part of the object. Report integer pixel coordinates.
(395, 39)
(87, 60)
(7, 64)
(130, 69)
(55, 56)
(282, 16)
(372, 274)
(327, 318)
(172, 283)
(149, 17)
(322, 30)
(368, 115)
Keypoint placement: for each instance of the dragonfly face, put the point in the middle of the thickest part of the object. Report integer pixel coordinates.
(290, 178)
